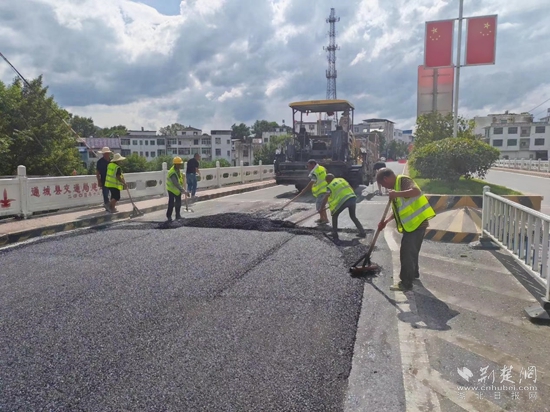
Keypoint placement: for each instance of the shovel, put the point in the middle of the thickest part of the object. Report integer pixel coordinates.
(308, 216)
(286, 204)
(187, 206)
(135, 210)
(368, 267)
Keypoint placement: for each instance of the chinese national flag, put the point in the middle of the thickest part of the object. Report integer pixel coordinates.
(481, 41)
(438, 50)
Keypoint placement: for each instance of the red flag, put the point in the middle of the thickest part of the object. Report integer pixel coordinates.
(438, 50)
(481, 40)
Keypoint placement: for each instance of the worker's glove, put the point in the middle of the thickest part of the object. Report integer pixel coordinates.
(392, 195)
(381, 225)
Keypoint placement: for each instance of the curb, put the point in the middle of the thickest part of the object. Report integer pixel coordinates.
(522, 172)
(16, 237)
(450, 237)
(447, 202)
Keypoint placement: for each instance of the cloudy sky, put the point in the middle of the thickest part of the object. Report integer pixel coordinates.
(212, 63)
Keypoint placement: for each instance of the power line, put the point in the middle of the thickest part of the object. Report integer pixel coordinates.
(538, 106)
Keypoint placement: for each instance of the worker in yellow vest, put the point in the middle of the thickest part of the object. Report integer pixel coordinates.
(411, 211)
(318, 186)
(175, 183)
(114, 180)
(340, 196)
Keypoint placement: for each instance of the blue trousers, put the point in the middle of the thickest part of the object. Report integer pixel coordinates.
(192, 183)
(105, 191)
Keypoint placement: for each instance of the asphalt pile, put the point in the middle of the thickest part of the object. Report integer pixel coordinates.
(240, 221)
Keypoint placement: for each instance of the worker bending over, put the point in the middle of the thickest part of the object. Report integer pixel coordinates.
(340, 197)
(411, 211)
(318, 186)
(175, 187)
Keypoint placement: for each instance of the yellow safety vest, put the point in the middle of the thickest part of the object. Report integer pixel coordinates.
(321, 184)
(170, 185)
(410, 213)
(340, 193)
(110, 179)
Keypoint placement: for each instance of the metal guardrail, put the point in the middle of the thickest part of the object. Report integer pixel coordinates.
(23, 195)
(522, 232)
(525, 164)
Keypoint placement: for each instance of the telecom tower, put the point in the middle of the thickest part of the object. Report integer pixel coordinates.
(331, 54)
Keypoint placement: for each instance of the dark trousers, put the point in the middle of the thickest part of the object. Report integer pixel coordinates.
(350, 204)
(105, 191)
(172, 198)
(411, 242)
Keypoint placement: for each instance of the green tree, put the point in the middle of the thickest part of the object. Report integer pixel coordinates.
(397, 148)
(241, 132)
(171, 130)
(156, 163)
(268, 151)
(261, 126)
(83, 126)
(134, 163)
(432, 127)
(114, 131)
(33, 133)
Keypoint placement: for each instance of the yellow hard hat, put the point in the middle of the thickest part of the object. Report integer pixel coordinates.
(177, 161)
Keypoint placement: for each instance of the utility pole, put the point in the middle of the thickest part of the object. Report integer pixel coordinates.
(457, 82)
(331, 55)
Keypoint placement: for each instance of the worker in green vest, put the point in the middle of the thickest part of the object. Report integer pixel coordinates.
(411, 211)
(318, 186)
(114, 180)
(175, 183)
(340, 196)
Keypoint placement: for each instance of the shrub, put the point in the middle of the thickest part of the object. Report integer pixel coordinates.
(451, 158)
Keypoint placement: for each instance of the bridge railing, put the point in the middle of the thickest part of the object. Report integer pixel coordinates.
(521, 231)
(22, 195)
(524, 164)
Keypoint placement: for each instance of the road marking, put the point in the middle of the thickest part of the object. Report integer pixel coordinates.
(514, 173)
(465, 263)
(414, 357)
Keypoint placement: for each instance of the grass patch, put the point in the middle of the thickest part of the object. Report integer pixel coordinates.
(469, 187)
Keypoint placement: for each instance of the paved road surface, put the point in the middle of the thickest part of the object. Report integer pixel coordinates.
(194, 318)
(525, 184)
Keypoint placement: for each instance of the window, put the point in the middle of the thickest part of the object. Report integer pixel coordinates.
(228, 141)
(206, 151)
(141, 142)
(512, 130)
(245, 152)
(229, 153)
(160, 142)
(152, 142)
(195, 142)
(135, 153)
(125, 152)
(195, 133)
(540, 129)
(183, 133)
(311, 126)
(524, 144)
(171, 152)
(141, 153)
(218, 140)
(186, 151)
(180, 151)
(147, 143)
(266, 140)
(125, 142)
(206, 141)
(512, 142)
(539, 142)
(525, 131)
(172, 141)
(146, 153)
(161, 152)
(195, 150)
(497, 143)
(134, 142)
(503, 121)
(497, 130)
(218, 152)
(152, 154)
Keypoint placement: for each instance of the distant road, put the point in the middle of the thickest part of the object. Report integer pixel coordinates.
(523, 183)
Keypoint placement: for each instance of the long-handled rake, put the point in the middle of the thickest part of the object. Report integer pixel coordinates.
(368, 267)
(286, 204)
(135, 211)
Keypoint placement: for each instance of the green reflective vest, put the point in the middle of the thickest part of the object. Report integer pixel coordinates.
(410, 213)
(170, 185)
(320, 185)
(110, 179)
(340, 193)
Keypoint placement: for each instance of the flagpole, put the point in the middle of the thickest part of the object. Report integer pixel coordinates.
(457, 82)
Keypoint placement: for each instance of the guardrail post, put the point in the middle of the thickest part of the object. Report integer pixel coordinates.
(539, 166)
(218, 174)
(164, 177)
(261, 170)
(242, 171)
(484, 210)
(23, 190)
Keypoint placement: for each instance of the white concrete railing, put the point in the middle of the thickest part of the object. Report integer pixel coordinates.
(23, 196)
(521, 231)
(525, 164)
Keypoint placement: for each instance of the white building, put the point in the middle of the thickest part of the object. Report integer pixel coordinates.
(482, 122)
(145, 143)
(518, 137)
(384, 126)
(407, 136)
(221, 144)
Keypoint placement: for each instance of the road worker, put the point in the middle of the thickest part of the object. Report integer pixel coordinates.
(340, 196)
(175, 183)
(114, 180)
(318, 186)
(411, 211)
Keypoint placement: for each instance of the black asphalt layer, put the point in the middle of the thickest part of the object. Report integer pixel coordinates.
(195, 318)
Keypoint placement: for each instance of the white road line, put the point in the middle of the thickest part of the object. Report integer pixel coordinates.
(414, 356)
(516, 174)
